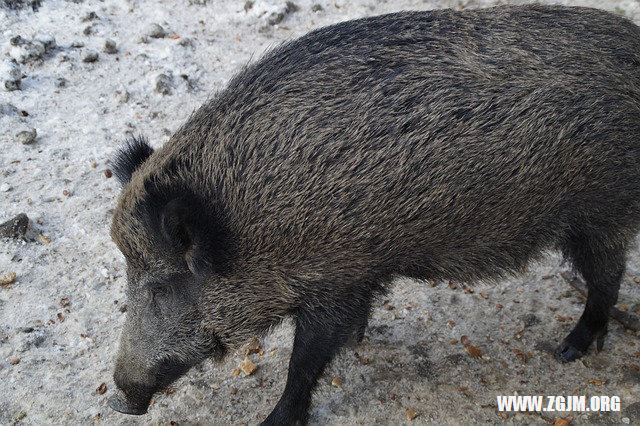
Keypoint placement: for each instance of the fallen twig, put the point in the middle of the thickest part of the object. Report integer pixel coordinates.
(630, 321)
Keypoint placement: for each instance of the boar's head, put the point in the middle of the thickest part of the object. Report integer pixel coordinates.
(165, 237)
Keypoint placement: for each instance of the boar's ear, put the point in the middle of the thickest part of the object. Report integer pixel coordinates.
(130, 157)
(185, 226)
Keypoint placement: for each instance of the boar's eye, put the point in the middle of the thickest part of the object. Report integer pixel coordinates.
(157, 289)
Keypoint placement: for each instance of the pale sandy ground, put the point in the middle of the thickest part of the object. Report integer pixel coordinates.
(59, 182)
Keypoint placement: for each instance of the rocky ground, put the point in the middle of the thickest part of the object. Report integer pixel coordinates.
(76, 78)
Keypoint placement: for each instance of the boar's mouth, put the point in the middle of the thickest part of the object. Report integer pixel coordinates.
(121, 404)
(133, 398)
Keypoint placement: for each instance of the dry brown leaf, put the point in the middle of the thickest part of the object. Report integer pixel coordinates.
(484, 294)
(563, 421)
(473, 351)
(102, 389)
(521, 355)
(248, 367)
(411, 414)
(7, 278)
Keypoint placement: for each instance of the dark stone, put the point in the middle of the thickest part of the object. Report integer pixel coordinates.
(15, 228)
(529, 320)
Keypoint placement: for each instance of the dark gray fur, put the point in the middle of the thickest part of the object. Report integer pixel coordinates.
(442, 144)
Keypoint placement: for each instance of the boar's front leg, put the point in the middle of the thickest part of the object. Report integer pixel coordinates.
(320, 333)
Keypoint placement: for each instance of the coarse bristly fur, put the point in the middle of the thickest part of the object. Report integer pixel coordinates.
(442, 144)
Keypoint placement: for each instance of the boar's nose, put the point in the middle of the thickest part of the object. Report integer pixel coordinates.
(121, 404)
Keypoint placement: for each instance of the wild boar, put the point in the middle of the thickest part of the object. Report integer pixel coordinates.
(443, 144)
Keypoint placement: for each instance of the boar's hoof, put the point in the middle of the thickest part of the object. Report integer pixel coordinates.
(566, 352)
(578, 341)
(121, 405)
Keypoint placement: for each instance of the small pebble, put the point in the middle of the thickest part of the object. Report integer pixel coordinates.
(317, 8)
(8, 109)
(89, 17)
(163, 84)
(336, 382)
(14, 361)
(87, 30)
(90, 56)
(10, 75)
(155, 31)
(17, 40)
(110, 46)
(276, 17)
(108, 173)
(122, 96)
(27, 137)
(27, 51)
(47, 40)
(5, 187)
(77, 44)
(61, 82)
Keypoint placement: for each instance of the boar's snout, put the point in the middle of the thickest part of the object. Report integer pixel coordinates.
(133, 395)
(137, 381)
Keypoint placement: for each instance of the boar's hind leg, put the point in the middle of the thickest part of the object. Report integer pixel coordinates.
(320, 333)
(601, 262)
